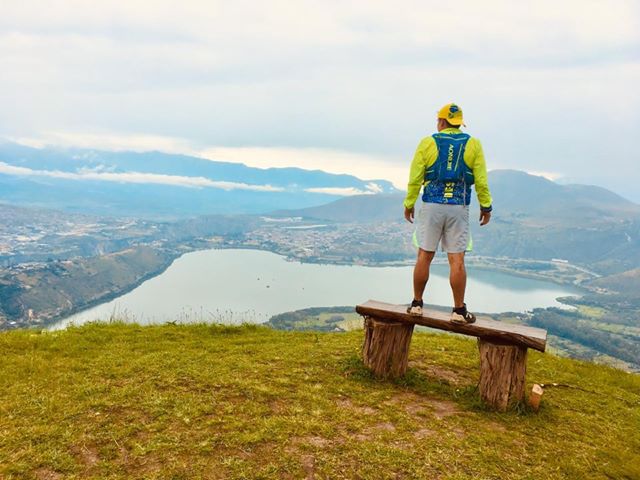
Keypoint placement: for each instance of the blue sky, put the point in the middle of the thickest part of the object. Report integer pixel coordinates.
(548, 86)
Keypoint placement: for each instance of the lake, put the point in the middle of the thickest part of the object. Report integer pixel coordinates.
(232, 286)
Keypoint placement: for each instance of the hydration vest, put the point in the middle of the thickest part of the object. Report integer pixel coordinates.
(449, 179)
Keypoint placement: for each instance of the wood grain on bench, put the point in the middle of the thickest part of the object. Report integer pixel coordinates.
(496, 332)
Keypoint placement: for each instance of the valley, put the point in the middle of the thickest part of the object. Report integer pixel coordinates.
(53, 280)
(54, 263)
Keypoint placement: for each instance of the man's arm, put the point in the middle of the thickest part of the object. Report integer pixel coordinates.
(416, 178)
(482, 184)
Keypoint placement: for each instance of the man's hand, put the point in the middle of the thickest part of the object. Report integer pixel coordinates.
(485, 217)
(408, 214)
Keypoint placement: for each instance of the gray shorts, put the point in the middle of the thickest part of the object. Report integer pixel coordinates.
(437, 222)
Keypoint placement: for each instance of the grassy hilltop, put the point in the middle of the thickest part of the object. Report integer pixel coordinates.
(188, 402)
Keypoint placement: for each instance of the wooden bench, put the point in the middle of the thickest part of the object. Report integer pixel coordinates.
(503, 347)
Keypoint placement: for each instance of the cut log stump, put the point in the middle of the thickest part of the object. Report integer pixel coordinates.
(536, 395)
(386, 347)
(502, 374)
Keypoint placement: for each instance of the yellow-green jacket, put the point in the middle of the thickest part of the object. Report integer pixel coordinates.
(426, 155)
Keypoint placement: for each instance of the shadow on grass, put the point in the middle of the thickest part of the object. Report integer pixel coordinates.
(418, 382)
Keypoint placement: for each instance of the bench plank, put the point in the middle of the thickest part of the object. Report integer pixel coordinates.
(491, 330)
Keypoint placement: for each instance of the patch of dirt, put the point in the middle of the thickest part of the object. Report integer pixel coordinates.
(424, 433)
(519, 445)
(149, 464)
(348, 405)
(412, 403)
(498, 427)
(383, 427)
(88, 455)
(47, 474)
(278, 406)
(415, 405)
(402, 398)
(142, 435)
(309, 466)
(370, 432)
(443, 408)
(298, 445)
(445, 374)
(315, 441)
(124, 454)
(414, 409)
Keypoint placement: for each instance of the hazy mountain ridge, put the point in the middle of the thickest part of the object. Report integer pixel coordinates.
(626, 283)
(517, 192)
(17, 215)
(75, 159)
(160, 185)
(514, 193)
(533, 218)
(359, 208)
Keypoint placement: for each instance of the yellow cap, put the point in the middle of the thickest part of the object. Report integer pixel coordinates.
(452, 113)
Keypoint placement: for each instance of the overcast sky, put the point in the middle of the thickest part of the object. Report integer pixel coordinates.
(548, 86)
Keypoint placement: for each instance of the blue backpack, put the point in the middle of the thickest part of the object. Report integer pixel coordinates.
(449, 178)
(449, 166)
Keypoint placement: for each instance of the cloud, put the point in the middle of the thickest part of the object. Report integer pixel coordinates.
(135, 177)
(108, 141)
(361, 165)
(542, 83)
(374, 187)
(371, 188)
(340, 191)
(553, 176)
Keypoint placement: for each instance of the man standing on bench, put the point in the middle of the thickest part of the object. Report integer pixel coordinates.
(447, 163)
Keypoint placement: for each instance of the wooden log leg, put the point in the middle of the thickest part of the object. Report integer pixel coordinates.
(502, 374)
(386, 347)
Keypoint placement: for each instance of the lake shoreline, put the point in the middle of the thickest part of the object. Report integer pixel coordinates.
(470, 263)
(235, 310)
(50, 322)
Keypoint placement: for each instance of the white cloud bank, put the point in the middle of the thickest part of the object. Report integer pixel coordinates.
(107, 141)
(135, 177)
(362, 165)
(553, 176)
(543, 83)
(371, 189)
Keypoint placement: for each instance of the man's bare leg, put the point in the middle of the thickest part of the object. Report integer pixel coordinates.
(457, 278)
(421, 272)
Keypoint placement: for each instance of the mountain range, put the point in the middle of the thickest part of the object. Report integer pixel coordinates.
(533, 218)
(515, 194)
(157, 185)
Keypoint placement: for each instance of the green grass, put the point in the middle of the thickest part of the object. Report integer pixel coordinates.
(188, 402)
(593, 312)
